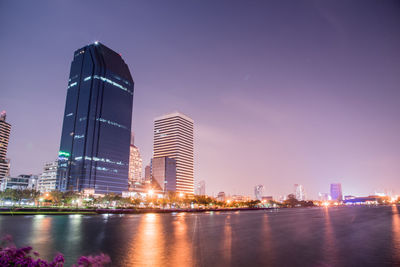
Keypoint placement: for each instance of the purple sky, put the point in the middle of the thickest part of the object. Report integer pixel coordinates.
(281, 92)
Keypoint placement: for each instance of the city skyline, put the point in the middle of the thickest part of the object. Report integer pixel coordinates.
(325, 114)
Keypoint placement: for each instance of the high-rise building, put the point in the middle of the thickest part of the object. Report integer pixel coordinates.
(336, 192)
(173, 138)
(259, 191)
(299, 192)
(47, 180)
(95, 140)
(147, 173)
(5, 129)
(20, 182)
(200, 189)
(163, 172)
(135, 164)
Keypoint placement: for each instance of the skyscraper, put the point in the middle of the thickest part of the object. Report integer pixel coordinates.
(299, 192)
(5, 129)
(173, 138)
(200, 189)
(164, 173)
(47, 180)
(95, 139)
(336, 192)
(135, 164)
(259, 191)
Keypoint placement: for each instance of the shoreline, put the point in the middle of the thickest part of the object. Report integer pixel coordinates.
(66, 211)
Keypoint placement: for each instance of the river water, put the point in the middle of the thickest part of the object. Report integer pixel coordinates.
(335, 236)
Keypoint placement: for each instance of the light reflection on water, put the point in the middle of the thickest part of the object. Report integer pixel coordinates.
(149, 244)
(396, 235)
(289, 237)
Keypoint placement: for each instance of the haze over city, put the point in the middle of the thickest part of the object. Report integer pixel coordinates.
(281, 94)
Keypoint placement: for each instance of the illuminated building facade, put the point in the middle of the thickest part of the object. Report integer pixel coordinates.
(5, 129)
(259, 191)
(163, 170)
(299, 192)
(135, 165)
(200, 189)
(173, 138)
(336, 192)
(95, 140)
(147, 173)
(47, 180)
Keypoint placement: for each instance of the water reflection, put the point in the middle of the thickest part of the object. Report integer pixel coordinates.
(40, 235)
(330, 249)
(267, 240)
(148, 247)
(396, 234)
(227, 252)
(182, 247)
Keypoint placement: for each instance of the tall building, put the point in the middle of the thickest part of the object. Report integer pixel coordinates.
(259, 191)
(47, 180)
(5, 129)
(173, 138)
(135, 164)
(147, 173)
(20, 182)
(336, 192)
(200, 189)
(299, 192)
(164, 173)
(95, 139)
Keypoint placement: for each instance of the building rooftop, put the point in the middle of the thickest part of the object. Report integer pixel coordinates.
(174, 114)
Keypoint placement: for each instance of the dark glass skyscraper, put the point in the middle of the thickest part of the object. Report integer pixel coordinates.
(95, 139)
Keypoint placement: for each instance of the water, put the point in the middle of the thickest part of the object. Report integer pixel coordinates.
(343, 236)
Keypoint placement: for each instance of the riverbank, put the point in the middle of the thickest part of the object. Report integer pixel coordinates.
(70, 211)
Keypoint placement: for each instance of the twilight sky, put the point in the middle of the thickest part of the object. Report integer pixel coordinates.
(281, 92)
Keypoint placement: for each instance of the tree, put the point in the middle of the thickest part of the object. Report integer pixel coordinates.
(56, 196)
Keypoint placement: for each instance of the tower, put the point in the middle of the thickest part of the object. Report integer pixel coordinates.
(95, 139)
(173, 138)
(5, 129)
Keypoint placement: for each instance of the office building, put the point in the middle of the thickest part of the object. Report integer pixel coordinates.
(173, 138)
(221, 196)
(336, 192)
(163, 172)
(135, 165)
(259, 191)
(5, 129)
(299, 192)
(147, 173)
(47, 180)
(200, 189)
(21, 182)
(96, 133)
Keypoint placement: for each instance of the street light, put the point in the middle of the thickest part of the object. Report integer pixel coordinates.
(151, 192)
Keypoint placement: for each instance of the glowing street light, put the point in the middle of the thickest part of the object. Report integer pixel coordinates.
(181, 195)
(151, 192)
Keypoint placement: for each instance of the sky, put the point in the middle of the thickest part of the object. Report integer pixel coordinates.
(281, 92)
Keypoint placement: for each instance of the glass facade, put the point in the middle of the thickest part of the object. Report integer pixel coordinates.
(95, 139)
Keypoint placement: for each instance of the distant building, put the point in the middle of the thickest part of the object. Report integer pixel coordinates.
(336, 192)
(173, 138)
(147, 173)
(135, 165)
(240, 198)
(267, 198)
(96, 132)
(221, 196)
(20, 182)
(259, 191)
(5, 129)
(299, 192)
(324, 196)
(48, 179)
(200, 189)
(164, 173)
